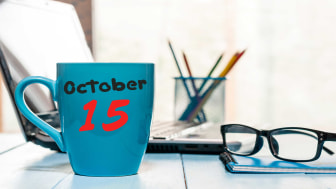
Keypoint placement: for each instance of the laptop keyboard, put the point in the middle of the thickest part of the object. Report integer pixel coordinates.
(164, 130)
(170, 129)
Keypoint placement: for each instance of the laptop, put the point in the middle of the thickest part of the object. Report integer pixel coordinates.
(34, 35)
(50, 32)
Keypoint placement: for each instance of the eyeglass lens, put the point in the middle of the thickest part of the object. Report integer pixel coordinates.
(239, 134)
(295, 144)
(292, 144)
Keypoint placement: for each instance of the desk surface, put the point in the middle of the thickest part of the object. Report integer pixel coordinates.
(25, 165)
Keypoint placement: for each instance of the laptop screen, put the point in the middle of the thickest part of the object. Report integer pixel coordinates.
(34, 36)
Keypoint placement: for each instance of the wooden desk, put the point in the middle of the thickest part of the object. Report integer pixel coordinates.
(26, 165)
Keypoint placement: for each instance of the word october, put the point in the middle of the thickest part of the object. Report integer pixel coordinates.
(70, 87)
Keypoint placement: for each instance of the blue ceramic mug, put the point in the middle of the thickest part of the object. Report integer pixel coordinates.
(105, 111)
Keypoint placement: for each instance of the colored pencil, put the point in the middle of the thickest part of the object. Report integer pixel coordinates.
(198, 98)
(208, 93)
(176, 61)
(211, 71)
(190, 74)
(181, 74)
(216, 64)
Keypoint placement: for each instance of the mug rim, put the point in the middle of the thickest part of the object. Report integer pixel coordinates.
(102, 63)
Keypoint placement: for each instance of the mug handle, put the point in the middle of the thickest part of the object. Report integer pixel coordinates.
(21, 104)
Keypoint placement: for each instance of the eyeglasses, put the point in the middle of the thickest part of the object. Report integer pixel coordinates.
(288, 143)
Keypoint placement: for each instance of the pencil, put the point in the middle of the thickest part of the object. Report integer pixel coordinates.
(181, 74)
(208, 93)
(190, 74)
(216, 64)
(198, 98)
(210, 73)
(176, 62)
(194, 107)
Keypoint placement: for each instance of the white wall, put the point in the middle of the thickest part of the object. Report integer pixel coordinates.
(286, 77)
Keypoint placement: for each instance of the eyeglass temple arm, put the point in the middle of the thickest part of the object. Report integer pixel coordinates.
(330, 136)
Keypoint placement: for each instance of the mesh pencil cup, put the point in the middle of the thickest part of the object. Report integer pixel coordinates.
(199, 99)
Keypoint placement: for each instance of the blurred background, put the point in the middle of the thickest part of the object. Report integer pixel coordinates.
(287, 77)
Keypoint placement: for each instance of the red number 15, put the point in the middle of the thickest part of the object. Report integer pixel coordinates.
(91, 106)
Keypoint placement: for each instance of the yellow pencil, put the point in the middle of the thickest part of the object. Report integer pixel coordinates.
(229, 65)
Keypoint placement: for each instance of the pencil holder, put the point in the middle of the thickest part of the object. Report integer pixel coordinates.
(199, 99)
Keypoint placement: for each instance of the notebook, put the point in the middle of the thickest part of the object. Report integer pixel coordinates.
(268, 164)
(34, 36)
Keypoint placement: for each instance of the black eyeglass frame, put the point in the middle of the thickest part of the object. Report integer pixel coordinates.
(321, 138)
